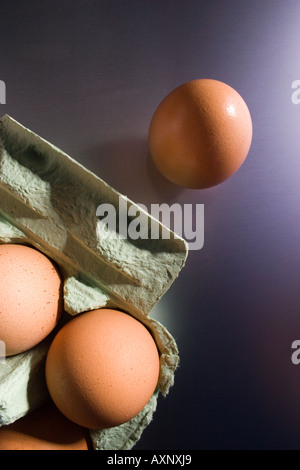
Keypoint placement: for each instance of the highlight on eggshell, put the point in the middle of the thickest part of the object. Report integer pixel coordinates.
(200, 134)
(102, 368)
(31, 301)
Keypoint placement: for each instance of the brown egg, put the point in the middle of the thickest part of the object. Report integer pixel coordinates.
(200, 134)
(102, 368)
(31, 300)
(44, 429)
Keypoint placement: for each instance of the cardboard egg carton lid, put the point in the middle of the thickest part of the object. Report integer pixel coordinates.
(54, 200)
(51, 202)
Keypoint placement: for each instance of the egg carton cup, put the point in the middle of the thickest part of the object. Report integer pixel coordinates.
(49, 201)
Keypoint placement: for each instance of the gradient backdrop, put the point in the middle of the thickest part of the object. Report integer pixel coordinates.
(87, 75)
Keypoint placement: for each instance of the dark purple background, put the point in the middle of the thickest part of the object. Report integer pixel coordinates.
(87, 76)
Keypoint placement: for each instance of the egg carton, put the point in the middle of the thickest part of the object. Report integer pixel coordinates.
(50, 201)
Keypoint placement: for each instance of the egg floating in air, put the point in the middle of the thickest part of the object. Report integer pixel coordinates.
(200, 134)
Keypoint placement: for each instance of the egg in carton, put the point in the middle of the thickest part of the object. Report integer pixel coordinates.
(50, 201)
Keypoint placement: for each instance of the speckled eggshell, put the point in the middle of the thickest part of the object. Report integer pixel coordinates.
(200, 134)
(44, 429)
(102, 368)
(31, 300)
